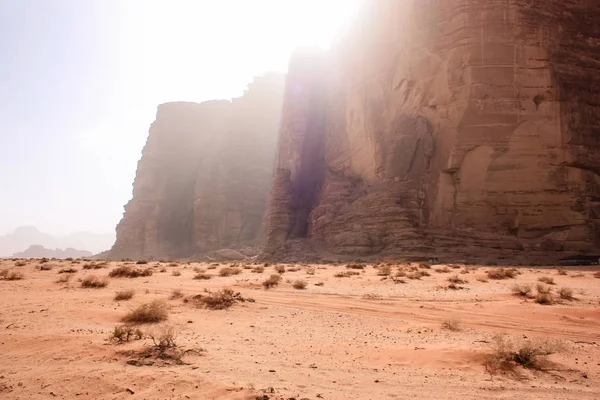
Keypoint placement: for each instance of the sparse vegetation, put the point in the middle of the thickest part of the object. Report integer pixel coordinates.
(456, 279)
(272, 281)
(280, 269)
(20, 264)
(141, 262)
(64, 279)
(417, 275)
(452, 324)
(228, 271)
(67, 271)
(547, 279)
(126, 271)
(299, 284)
(507, 354)
(566, 293)
(125, 333)
(122, 295)
(45, 267)
(176, 294)
(425, 266)
(355, 266)
(543, 289)
(502, 273)
(597, 274)
(310, 271)
(345, 274)
(258, 270)
(176, 273)
(442, 270)
(562, 271)
(384, 270)
(202, 276)
(164, 337)
(544, 298)
(220, 300)
(522, 290)
(94, 282)
(149, 313)
(9, 275)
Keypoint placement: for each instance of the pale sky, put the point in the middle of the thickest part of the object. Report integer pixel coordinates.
(80, 81)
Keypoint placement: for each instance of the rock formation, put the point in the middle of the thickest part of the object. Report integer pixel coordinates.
(203, 181)
(450, 129)
(38, 251)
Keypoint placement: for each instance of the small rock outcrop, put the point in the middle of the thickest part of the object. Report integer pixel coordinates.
(464, 130)
(203, 181)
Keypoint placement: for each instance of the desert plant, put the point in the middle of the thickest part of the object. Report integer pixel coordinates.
(543, 289)
(415, 275)
(141, 262)
(299, 284)
(64, 279)
(9, 275)
(456, 279)
(544, 298)
(384, 270)
(20, 264)
(126, 271)
(425, 266)
(310, 271)
(522, 290)
(562, 271)
(45, 267)
(355, 266)
(508, 353)
(345, 274)
(502, 273)
(125, 333)
(94, 282)
(176, 294)
(202, 276)
(442, 270)
(164, 337)
(220, 300)
(566, 293)
(67, 271)
(597, 274)
(482, 279)
(272, 281)
(258, 270)
(176, 273)
(452, 324)
(280, 269)
(547, 279)
(228, 271)
(153, 312)
(122, 295)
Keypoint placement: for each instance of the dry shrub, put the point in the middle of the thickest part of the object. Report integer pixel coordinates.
(294, 269)
(213, 266)
(346, 274)
(173, 264)
(416, 275)
(20, 264)
(9, 275)
(202, 276)
(425, 266)
(454, 266)
(125, 333)
(543, 289)
(201, 270)
(544, 299)
(149, 313)
(141, 262)
(319, 284)
(94, 282)
(522, 290)
(482, 279)
(228, 271)
(566, 293)
(508, 354)
(64, 279)
(164, 337)
(355, 266)
(93, 266)
(502, 273)
(547, 279)
(176, 273)
(400, 274)
(384, 270)
(176, 294)
(272, 281)
(67, 271)
(124, 295)
(442, 270)
(220, 300)
(456, 279)
(597, 274)
(452, 324)
(280, 269)
(562, 271)
(45, 267)
(258, 270)
(299, 284)
(126, 271)
(163, 270)
(310, 271)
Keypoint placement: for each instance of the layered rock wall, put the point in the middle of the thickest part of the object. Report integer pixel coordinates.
(457, 129)
(203, 180)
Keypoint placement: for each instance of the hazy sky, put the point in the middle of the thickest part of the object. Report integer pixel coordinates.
(80, 81)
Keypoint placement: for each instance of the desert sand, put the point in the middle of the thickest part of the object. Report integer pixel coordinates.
(364, 336)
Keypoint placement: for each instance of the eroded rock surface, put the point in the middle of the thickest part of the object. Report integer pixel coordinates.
(204, 178)
(457, 129)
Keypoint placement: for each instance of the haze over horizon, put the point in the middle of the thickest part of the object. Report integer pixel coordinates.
(82, 80)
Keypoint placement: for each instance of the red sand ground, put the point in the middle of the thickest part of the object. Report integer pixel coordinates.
(356, 337)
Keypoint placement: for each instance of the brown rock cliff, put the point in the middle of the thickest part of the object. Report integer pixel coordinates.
(457, 129)
(203, 180)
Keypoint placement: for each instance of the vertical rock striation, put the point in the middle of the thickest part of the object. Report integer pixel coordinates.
(459, 129)
(203, 180)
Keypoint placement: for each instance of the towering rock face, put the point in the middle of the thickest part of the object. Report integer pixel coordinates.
(458, 129)
(204, 178)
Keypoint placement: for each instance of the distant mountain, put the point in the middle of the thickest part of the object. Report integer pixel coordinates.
(37, 251)
(24, 237)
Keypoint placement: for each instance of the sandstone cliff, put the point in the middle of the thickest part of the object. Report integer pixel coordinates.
(204, 178)
(457, 129)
